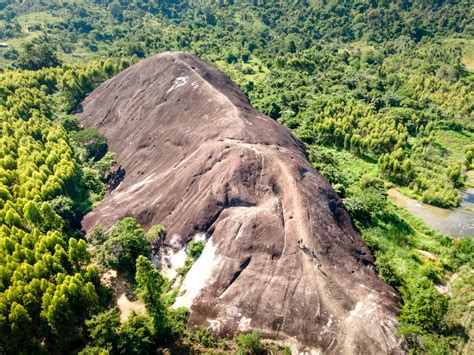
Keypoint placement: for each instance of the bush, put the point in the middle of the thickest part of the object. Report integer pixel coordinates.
(231, 57)
(250, 343)
(194, 249)
(454, 173)
(137, 335)
(364, 204)
(464, 250)
(104, 165)
(93, 181)
(104, 327)
(90, 144)
(202, 336)
(248, 71)
(11, 54)
(124, 243)
(176, 321)
(70, 123)
(425, 309)
(35, 57)
(155, 233)
(387, 271)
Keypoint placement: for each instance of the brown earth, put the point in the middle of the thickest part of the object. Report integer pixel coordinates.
(281, 255)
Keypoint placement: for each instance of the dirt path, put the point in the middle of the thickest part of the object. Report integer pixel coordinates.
(124, 296)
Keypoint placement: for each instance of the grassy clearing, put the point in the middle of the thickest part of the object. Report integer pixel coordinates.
(28, 24)
(415, 259)
(467, 46)
(452, 144)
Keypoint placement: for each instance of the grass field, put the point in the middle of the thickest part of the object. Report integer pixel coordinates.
(467, 45)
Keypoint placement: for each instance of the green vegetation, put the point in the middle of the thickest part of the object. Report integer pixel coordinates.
(119, 247)
(160, 326)
(409, 256)
(390, 80)
(193, 251)
(47, 286)
(250, 343)
(34, 57)
(381, 92)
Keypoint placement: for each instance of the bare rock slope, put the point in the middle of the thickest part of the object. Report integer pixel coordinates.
(281, 253)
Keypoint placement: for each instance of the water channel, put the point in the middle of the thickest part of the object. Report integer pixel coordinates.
(455, 222)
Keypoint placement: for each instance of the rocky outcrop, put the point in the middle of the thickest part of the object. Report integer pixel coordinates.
(281, 253)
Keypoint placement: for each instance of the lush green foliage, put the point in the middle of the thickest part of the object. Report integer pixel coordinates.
(384, 79)
(250, 344)
(124, 243)
(34, 57)
(92, 144)
(119, 247)
(380, 90)
(47, 287)
(409, 256)
(193, 251)
(135, 336)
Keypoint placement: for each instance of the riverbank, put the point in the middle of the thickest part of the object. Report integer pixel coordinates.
(454, 222)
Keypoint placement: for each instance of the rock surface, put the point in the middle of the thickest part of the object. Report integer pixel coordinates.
(281, 253)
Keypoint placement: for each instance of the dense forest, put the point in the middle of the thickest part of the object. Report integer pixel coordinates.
(381, 92)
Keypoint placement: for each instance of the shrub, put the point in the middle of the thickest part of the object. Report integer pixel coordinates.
(124, 243)
(250, 343)
(155, 233)
(89, 143)
(70, 123)
(205, 338)
(387, 271)
(425, 309)
(35, 57)
(454, 173)
(104, 327)
(176, 321)
(194, 249)
(364, 204)
(137, 335)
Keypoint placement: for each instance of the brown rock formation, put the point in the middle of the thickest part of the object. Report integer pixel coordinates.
(281, 253)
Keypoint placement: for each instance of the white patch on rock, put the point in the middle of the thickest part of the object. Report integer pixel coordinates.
(172, 261)
(179, 81)
(137, 186)
(330, 321)
(233, 312)
(200, 237)
(214, 325)
(356, 311)
(195, 84)
(198, 277)
(369, 310)
(175, 241)
(244, 324)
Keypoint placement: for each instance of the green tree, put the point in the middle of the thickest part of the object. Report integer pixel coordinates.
(21, 326)
(124, 243)
(115, 9)
(137, 335)
(150, 286)
(35, 57)
(425, 309)
(104, 329)
(250, 344)
(90, 144)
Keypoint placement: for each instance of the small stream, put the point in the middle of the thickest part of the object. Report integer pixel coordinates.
(456, 222)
